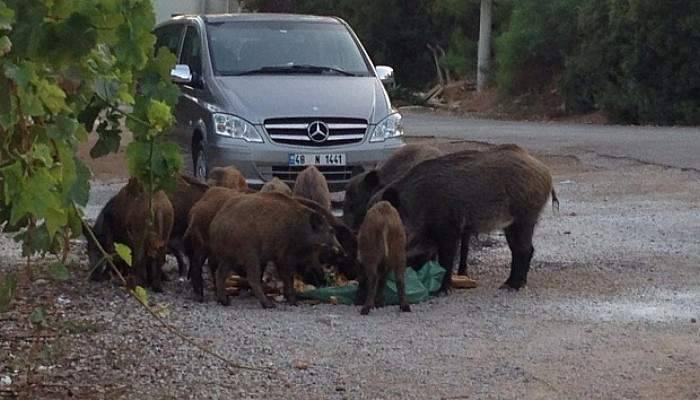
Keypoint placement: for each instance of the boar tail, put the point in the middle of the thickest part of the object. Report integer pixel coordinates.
(385, 240)
(555, 202)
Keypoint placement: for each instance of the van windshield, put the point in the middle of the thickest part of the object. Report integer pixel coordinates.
(284, 47)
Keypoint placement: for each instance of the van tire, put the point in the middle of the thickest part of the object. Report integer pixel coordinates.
(199, 161)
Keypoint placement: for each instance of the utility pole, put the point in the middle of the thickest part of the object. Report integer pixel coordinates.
(484, 61)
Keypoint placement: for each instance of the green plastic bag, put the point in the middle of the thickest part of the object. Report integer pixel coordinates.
(420, 285)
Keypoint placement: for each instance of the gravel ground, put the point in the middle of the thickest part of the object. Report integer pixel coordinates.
(609, 312)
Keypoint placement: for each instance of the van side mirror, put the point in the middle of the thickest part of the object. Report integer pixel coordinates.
(181, 74)
(386, 75)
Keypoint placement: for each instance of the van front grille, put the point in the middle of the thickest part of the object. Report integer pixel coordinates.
(295, 131)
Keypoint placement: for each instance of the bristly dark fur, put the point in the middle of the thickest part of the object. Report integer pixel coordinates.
(187, 193)
(256, 229)
(361, 187)
(196, 236)
(311, 184)
(445, 199)
(381, 250)
(122, 220)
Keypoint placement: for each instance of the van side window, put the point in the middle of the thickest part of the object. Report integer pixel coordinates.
(192, 51)
(169, 37)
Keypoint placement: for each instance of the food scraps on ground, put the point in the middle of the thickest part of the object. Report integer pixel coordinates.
(463, 282)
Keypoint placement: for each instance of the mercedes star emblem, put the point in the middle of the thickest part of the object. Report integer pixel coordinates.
(318, 131)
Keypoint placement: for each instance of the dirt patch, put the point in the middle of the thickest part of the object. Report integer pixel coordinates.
(111, 167)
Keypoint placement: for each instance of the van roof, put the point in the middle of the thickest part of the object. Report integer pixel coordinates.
(259, 17)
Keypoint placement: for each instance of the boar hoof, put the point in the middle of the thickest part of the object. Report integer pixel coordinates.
(405, 308)
(513, 285)
(268, 304)
(365, 310)
(225, 301)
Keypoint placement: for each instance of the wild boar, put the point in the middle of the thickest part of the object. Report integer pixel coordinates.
(460, 194)
(228, 177)
(361, 187)
(311, 184)
(381, 250)
(187, 192)
(124, 220)
(344, 261)
(268, 227)
(196, 237)
(275, 185)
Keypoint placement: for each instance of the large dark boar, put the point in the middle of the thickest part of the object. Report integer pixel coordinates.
(275, 185)
(361, 187)
(447, 198)
(311, 184)
(346, 260)
(268, 227)
(228, 177)
(124, 220)
(187, 192)
(381, 250)
(196, 237)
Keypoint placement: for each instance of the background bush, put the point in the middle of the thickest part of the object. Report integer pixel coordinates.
(636, 60)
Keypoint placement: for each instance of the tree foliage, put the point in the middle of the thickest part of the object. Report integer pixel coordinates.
(535, 44)
(66, 67)
(638, 60)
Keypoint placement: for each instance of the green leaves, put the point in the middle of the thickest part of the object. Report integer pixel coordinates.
(59, 272)
(38, 316)
(163, 160)
(8, 287)
(159, 115)
(124, 252)
(7, 17)
(5, 45)
(141, 295)
(65, 65)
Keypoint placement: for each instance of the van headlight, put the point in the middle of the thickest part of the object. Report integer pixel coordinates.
(389, 127)
(237, 128)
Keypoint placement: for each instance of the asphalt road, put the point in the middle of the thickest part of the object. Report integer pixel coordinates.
(675, 147)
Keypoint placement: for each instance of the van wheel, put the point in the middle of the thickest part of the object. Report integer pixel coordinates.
(199, 159)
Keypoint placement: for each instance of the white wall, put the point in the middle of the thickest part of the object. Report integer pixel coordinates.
(165, 8)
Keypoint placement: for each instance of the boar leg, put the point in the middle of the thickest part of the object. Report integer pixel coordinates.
(361, 295)
(195, 273)
(447, 249)
(176, 248)
(400, 271)
(154, 274)
(464, 252)
(222, 273)
(288, 283)
(372, 282)
(519, 237)
(381, 285)
(254, 275)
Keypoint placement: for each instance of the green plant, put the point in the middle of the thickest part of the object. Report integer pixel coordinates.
(534, 46)
(638, 61)
(67, 66)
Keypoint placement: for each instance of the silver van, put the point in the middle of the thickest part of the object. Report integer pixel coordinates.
(273, 93)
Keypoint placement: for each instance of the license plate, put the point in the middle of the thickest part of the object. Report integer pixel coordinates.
(297, 159)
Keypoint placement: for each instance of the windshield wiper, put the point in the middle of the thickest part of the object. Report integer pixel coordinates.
(303, 68)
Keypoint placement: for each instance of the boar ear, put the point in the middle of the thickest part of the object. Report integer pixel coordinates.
(372, 179)
(392, 196)
(316, 221)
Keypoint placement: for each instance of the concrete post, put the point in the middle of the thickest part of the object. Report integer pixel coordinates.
(484, 62)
